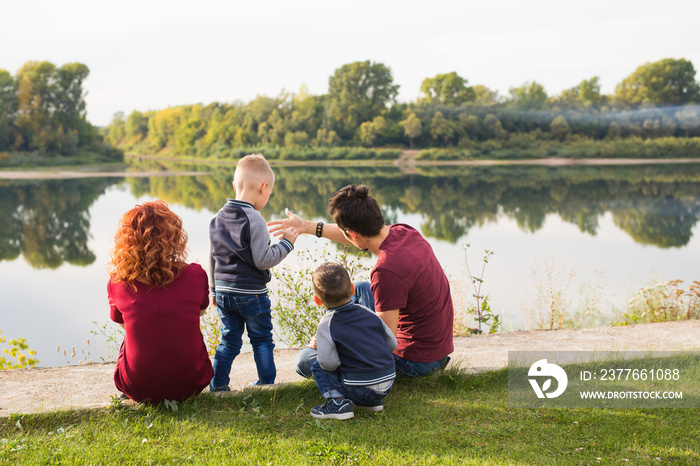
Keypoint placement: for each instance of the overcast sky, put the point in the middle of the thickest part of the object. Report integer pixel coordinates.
(150, 54)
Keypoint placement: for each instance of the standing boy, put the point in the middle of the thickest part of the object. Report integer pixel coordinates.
(354, 365)
(241, 256)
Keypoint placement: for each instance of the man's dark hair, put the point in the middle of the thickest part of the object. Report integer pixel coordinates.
(332, 284)
(352, 208)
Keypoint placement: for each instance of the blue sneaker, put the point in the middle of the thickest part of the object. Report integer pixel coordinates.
(333, 409)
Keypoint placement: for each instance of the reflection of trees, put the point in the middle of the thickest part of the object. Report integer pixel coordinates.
(666, 223)
(654, 204)
(446, 226)
(48, 221)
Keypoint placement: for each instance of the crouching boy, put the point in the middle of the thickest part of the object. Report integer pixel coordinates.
(354, 366)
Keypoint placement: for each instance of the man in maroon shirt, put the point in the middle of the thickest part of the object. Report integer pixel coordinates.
(409, 290)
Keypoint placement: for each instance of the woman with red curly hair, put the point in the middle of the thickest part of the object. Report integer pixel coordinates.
(158, 299)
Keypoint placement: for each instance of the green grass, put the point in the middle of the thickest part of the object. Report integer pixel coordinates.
(447, 418)
(33, 160)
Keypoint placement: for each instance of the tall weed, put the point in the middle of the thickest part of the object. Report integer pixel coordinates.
(663, 302)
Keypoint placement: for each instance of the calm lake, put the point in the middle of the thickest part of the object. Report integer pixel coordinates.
(596, 233)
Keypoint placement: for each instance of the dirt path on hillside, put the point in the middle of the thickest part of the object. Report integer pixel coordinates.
(89, 386)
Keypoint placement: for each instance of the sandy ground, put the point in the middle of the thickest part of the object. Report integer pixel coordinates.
(406, 162)
(89, 386)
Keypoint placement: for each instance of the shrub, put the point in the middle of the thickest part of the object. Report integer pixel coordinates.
(19, 354)
(664, 302)
(297, 315)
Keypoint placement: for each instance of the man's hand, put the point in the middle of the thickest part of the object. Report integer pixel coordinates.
(278, 227)
(312, 343)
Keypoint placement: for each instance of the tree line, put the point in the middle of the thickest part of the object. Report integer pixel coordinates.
(656, 101)
(42, 111)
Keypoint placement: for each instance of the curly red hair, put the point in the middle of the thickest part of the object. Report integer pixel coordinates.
(149, 246)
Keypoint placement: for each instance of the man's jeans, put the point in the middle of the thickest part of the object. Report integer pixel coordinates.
(239, 313)
(404, 367)
(331, 386)
(413, 369)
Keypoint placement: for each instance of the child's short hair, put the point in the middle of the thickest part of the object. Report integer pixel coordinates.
(253, 169)
(332, 284)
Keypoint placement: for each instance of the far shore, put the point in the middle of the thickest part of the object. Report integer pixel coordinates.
(406, 162)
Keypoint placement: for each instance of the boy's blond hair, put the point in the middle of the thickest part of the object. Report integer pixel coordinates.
(251, 171)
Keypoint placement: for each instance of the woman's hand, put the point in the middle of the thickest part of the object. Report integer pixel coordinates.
(293, 221)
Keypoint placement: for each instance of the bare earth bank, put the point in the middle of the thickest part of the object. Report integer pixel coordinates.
(406, 161)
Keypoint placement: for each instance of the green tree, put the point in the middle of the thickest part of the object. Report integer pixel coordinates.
(69, 106)
(559, 127)
(136, 127)
(50, 108)
(258, 111)
(412, 127)
(589, 92)
(371, 130)
(469, 127)
(116, 131)
(192, 127)
(325, 138)
(447, 89)
(441, 129)
(34, 82)
(614, 130)
(586, 94)
(306, 113)
(162, 127)
(8, 109)
(296, 139)
(492, 128)
(357, 92)
(485, 96)
(530, 95)
(665, 82)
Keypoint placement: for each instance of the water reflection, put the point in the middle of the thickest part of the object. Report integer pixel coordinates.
(47, 221)
(654, 204)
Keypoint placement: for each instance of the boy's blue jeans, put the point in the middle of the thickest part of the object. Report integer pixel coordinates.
(240, 312)
(331, 386)
(404, 367)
